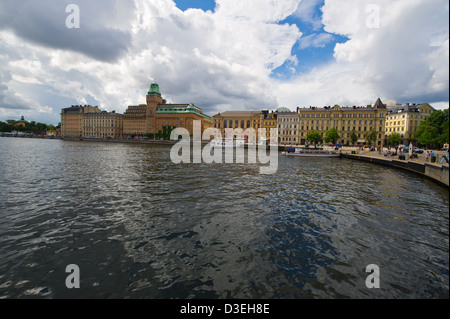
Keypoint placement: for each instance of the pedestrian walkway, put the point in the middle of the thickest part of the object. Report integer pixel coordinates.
(375, 154)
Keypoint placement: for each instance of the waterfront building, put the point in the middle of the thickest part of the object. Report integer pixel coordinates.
(103, 125)
(288, 127)
(405, 120)
(181, 116)
(361, 119)
(268, 120)
(72, 119)
(239, 119)
(21, 123)
(135, 120)
(156, 116)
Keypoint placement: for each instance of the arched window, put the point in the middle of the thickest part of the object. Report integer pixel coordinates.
(225, 124)
(236, 124)
(248, 123)
(242, 123)
(231, 124)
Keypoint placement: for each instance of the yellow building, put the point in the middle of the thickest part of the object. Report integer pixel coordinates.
(405, 120)
(72, 119)
(181, 116)
(361, 119)
(103, 125)
(135, 120)
(21, 123)
(268, 121)
(239, 119)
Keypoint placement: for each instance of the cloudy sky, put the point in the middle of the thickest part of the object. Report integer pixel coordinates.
(221, 55)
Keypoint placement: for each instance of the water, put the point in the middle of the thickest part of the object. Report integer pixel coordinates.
(139, 226)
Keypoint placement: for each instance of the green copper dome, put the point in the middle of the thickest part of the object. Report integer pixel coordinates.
(154, 89)
(283, 110)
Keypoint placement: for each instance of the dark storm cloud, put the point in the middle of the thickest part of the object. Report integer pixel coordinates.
(44, 23)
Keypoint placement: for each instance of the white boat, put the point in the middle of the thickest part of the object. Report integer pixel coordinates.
(228, 143)
(311, 153)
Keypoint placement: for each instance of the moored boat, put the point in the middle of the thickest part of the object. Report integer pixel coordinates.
(311, 153)
(228, 143)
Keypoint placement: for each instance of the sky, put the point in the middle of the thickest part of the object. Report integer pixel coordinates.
(220, 55)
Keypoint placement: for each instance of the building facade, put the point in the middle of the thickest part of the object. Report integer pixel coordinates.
(239, 120)
(360, 119)
(405, 120)
(72, 119)
(103, 125)
(268, 121)
(156, 116)
(288, 128)
(181, 116)
(135, 121)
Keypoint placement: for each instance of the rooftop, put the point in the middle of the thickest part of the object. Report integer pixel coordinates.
(238, 113)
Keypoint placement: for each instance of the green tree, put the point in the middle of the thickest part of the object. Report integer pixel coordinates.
(167, 130)
(332, 136)
(395, 138)
(5, 127)
(353, 137)
(444, 137)
(314, 137)
(371, 137)
(427, 135)
(434, 130)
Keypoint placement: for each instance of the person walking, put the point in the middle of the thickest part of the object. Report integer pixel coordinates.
(427, 156)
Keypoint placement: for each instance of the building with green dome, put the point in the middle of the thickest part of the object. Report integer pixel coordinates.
(157, 116)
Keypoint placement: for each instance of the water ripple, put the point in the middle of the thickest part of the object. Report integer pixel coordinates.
(139, 226)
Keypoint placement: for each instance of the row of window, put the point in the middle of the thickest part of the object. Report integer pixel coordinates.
(401, 129)
(326, 128)
(344, 115)
(411, 122)
(288, 119)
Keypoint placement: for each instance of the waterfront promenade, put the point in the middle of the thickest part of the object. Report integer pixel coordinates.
(435, 171)
(374, 154)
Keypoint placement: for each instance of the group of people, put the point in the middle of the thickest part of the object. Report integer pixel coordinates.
(395, 151)
(389, 153)
(444, 159)
(429, 155)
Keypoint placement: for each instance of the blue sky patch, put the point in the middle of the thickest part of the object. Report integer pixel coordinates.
(315, 47)
(205, 5)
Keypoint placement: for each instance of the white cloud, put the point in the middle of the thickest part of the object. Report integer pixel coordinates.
(405, 58)
(307, 12)
(221, 60)
(315, 40)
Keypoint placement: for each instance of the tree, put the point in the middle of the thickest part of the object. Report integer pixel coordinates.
(371, 137)
(434, 130)
(314, 137)
(353, 137)
(5, 127)
(395, 138)
(332, 136)
(427, 135)
(444, 137)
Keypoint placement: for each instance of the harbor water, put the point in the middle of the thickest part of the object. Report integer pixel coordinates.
(139, 226)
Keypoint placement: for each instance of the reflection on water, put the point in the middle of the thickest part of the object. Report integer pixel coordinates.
(139, 226)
